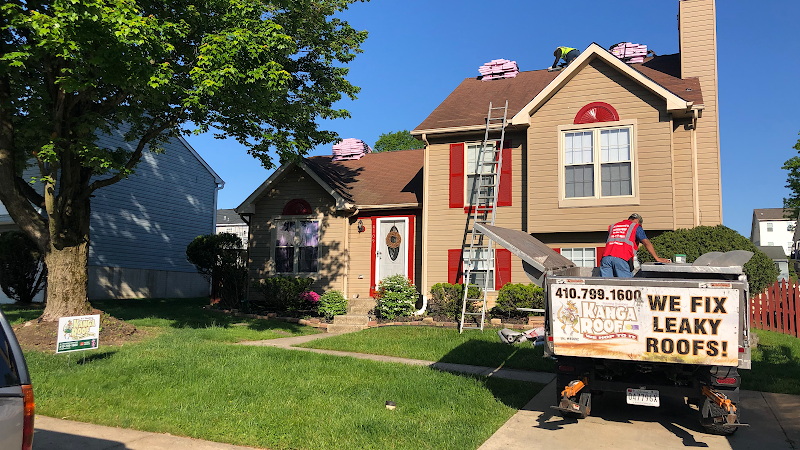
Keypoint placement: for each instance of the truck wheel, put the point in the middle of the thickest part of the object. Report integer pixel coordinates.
(710, 409)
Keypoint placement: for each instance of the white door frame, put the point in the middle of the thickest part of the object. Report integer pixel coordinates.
(378, 246)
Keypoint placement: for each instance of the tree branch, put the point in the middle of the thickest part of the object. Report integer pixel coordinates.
(29, 192)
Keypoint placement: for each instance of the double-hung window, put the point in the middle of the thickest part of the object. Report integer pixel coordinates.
(597, 164)
(481, 267)
(296, 246)
(474, 170)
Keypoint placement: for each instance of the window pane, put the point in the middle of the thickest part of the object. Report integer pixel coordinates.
(472, 157)
(615, 145)
(578, 148)
(582, 257)
(308, 257)
(486, 191)
(616, 179)
(579, 181)
(284, 259)
(309, 233)
(285, 234)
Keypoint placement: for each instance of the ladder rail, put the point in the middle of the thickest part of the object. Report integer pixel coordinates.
(480, 211)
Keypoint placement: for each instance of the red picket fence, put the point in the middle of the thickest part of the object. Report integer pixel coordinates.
(777, 309)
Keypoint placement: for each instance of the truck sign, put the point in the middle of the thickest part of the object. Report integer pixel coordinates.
(646, 323)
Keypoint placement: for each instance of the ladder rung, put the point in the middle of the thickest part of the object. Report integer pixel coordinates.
(471, 328)
(473, 314)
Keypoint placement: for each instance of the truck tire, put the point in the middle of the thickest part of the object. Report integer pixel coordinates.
(710, 409)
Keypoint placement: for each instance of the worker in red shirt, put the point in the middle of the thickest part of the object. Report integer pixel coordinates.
(623, 241)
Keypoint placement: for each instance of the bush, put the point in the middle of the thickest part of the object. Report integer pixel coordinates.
(396, 297)
(282, 293)
(446, 300)
(513, 296)
(760, 270)
(332, 303)
(219, 258)
(23, 273)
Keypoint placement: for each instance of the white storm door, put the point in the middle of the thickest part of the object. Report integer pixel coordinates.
(391, 257)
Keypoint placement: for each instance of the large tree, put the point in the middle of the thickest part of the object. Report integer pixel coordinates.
(791, 205)
(261, 72)
(398, 140)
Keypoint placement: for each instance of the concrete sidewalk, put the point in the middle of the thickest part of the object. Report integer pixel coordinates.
(510, 374)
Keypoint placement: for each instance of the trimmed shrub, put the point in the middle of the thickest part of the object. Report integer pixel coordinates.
(446, 300)
(332, 303)
(282, 293)
(396, 297)
(219, 258)
(693, 242)
(512, 296)
(23, 273)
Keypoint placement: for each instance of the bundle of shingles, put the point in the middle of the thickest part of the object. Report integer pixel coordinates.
(350, 149)
(629, 52)
(497, 69)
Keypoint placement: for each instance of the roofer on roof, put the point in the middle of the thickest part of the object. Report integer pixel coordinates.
(568, 54)
(623, 240)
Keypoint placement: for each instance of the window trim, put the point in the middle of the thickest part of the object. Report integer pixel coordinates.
(598, 200)
(274, 237)
(467, 173)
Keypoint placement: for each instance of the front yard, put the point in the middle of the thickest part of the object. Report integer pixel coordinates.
(186, 378)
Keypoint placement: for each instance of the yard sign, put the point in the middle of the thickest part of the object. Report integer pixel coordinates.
(78, 333)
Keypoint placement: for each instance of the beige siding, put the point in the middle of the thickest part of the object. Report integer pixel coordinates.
(599, 82)
(332, 255)
(699, 59)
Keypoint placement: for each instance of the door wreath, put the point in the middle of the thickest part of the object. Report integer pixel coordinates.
(393, 240)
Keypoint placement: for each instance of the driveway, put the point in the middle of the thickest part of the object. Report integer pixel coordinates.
(774, 425)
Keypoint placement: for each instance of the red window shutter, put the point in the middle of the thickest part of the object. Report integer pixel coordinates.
(504, 196)
(457, 175)
(557, 250)
(503, 265)
(453, 265)
(600, 251)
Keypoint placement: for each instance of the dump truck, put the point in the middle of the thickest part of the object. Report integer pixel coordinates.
(673, 330)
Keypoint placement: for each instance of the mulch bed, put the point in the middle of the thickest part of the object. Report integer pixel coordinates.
(42, 336)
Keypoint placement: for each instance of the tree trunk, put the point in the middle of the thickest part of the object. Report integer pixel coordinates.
(67, 282)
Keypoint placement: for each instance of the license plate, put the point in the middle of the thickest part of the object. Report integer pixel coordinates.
(644, 397)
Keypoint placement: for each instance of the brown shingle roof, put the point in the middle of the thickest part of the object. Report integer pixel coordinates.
(386, 178)
(770, 214)
(468, 103)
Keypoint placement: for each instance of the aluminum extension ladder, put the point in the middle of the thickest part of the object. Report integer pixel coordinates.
(479, 257)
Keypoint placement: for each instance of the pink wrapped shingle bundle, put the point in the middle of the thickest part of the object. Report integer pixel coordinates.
(350, 149)
(497, 69)
(629, 52)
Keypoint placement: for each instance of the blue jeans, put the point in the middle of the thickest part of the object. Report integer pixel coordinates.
(611, 266)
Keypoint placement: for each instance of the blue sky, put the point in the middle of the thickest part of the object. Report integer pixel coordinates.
(418, 51)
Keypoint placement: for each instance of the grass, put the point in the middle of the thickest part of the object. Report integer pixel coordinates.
(440, 344)
(188, 380)
(776, 364)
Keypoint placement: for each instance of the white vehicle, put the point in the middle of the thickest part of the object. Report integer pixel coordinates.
(678, 330)
(16, 393)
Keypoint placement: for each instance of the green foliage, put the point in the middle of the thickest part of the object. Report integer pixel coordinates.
(332, 303)
(219, 259)
(281, 293)
(22, 270)
(399, 140)
(396, 297)
(447, 299)
(693, 242)
(513, 296)
(792, 203)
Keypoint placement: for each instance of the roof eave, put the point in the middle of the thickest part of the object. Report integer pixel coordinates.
(468, 128)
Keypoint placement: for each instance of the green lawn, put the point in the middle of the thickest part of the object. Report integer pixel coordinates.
(188, 380)
(776, 364)
(440, 344)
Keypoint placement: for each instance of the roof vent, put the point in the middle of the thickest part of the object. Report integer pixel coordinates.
(497, 69)
(629, 52)
(350, 149)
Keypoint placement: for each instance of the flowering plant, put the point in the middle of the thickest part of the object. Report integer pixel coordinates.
(310, 296)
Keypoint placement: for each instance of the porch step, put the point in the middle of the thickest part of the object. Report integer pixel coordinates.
(360, 306)
(338, 328)
(351, 319)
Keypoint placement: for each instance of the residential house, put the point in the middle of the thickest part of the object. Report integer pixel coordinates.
(140, 226)
(228, 221)
(771, 226)
(585, 147)
(779, 258)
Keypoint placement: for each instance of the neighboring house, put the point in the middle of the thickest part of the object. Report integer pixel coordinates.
(777, 255)
(771, 227)
(140, 226)
(228, 221)
(585, 148)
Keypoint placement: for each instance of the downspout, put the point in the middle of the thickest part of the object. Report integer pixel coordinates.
(695, 182)
(346, 278)
(424, 225)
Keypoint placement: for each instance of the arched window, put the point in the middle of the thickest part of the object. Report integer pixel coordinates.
(296, 207)
(596, 112)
